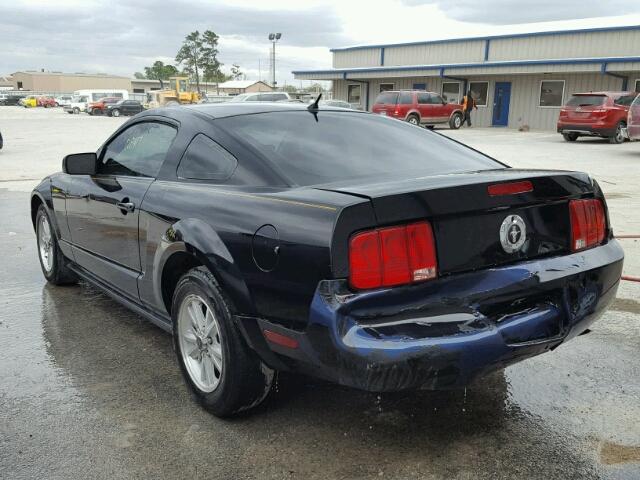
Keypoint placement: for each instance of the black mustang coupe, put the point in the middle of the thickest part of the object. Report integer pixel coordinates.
(338, 243)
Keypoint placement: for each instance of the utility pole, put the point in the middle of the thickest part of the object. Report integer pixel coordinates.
(274, 37)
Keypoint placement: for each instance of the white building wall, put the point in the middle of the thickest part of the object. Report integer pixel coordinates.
(366, 57)
(576, 45)
(428, 54)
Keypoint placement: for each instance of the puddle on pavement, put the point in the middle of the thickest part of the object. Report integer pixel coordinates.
(613, 453)
(625, 305)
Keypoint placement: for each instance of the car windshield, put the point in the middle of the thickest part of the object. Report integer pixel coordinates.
(312, 149)
(241, 97)
(586, 100)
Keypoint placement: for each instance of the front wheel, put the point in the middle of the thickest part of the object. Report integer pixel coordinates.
(570, 137)
(413, 120)
(115, 113)
(52, 260)
(223, 374)
(76, 110)
(455, 122)
(618, 137)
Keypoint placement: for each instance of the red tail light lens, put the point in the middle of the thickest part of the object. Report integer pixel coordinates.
(511, 188)
(391, 256)
(587, 223)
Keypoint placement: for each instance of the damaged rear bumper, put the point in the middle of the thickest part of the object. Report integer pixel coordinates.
(444, 333)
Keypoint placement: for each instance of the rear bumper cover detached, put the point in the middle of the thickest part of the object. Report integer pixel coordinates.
(444, 333)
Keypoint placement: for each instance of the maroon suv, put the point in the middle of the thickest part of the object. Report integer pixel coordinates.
(601, 114)
(418, 107)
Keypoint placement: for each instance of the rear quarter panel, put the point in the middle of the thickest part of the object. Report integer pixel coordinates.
(271, 272)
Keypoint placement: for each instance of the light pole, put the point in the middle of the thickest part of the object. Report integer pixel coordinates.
(274, 37)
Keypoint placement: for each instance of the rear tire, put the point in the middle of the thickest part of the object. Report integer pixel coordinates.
(52, 260)
(618, 137)
(115, 112)
(223, 374)
(76, 111)
(570, 137)
(413, 120)
(455, 122)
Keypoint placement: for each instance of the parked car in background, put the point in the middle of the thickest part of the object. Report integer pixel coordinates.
(12, 100)
(326, 241)
(123, 107)
(334, 103)
(100, 107)
(633, 119)
(63, 100)
(79, 103)
(46, 102)
(261, 97)
(30, 101)
(418, 107)
(600, 114)
(1, 141)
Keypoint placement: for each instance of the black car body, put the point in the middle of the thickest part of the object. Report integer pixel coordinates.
(123, 107)
(275, 222)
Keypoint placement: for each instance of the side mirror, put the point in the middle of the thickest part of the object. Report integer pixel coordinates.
(80, 164)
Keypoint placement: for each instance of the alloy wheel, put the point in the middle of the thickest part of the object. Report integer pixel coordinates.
(45, 244)
(199, 336)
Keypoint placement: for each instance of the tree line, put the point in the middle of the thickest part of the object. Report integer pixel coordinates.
(197, 58)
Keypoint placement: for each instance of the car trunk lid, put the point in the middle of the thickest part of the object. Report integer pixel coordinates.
(467, 220)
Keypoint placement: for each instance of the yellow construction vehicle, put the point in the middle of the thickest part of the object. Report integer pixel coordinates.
(177, 93)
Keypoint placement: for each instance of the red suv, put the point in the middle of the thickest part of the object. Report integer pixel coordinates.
(418, 107)
(601, 114)
(100, 107)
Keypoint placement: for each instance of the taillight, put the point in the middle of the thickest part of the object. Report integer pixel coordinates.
(385, 257)
(511, 188)
(587, 223)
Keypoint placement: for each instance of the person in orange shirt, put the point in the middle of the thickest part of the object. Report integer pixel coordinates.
(468, 104)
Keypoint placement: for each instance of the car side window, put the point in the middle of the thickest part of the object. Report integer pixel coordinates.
(204, 159)
(139, 151)
(423, 98)
(436, 99)
(406, 98)
(625, 100)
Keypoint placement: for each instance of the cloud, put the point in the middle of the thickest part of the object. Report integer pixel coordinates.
(506, 12)
(119, 36)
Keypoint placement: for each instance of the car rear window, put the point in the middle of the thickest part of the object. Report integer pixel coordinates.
(586, 100)
(388, 98)
(310, 149)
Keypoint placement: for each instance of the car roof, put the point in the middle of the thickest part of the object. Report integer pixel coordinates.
(229, 109)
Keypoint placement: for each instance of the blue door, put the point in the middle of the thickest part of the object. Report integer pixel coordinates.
(419, 86)
(501, 98)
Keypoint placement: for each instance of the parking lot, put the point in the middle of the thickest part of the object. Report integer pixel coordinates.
(86, 386)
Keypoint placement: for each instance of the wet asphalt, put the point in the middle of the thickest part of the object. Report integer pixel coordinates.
(90, 390)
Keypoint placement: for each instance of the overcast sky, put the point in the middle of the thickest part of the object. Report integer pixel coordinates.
(122, 36)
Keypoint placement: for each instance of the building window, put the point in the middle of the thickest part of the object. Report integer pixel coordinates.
(479, 91)
(419, 86)
(385, 87)
(451, 92)
(637, 89)
(353, 94)
(138, 90)
(551, 93)
(19, 85)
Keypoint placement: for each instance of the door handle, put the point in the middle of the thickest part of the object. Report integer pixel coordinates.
(126, 207)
